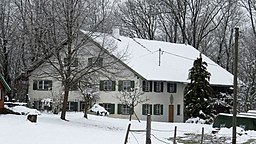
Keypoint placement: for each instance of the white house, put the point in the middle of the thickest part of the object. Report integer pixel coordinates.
(161, 68)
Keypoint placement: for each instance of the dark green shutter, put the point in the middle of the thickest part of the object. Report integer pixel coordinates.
(168, 87)
(75, 63)
(119, 110)
(155, 86)
(132, 84)
(150, 82)
(175, 88)
(34, 85)
(120, 85)
(143, 109)
(150, 110)
(112, 109)
(162, 109)
(155, 106)
(162, 86)
(131, 111)
(143, 85)
(101, 85)
(113, 85)
(49, 85)
(89, 61)
(100, 62)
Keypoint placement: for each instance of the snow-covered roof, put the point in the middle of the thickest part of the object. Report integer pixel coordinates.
(175, 60)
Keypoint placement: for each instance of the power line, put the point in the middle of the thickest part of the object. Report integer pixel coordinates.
(159, 139)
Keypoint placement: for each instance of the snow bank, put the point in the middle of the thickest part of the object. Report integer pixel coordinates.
(23, 110)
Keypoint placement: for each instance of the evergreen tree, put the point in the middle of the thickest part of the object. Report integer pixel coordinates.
(198, 92)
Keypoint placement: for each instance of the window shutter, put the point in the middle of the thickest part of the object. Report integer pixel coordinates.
(175, 88)
(143, 109)
(101, 85)
(162, 109)
(131, 111)
(34, 85)
(120, 85)
(150, 110)
(100, 62)
(75, 63)
(113, 85)
(65, 61)
(101, 104)
(150, 89)
(49, 85)
(119, 110)
(168, 87)
(143, 85)
(132, 84)
(162, 86)
(155, 107)
(89, 61)
(155, 83)
(112, 109)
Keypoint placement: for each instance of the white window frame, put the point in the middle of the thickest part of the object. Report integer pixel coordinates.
(125, 109)
(147, 86)
(127, 85)
(158, 86)
(107, 85)
(158, 110)
(41, 85)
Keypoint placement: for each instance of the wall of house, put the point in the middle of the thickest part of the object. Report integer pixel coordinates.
(162, 98)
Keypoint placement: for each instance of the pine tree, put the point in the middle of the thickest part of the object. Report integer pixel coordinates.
(198, 92)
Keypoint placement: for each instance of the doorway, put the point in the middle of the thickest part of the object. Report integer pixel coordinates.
(171, 113)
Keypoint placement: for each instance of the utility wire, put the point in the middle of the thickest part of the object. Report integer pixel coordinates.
(135, 138)
(159, 139)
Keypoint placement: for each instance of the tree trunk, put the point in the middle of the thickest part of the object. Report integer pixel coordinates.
(64, 107)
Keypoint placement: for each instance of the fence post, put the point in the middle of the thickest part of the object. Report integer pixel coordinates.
(148, 130)
(127, 133)
(202, 136)
(174, 138)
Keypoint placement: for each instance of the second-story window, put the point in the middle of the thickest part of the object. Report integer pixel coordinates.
(42, 85)
(107, 85)
(158, 86)
(73, 62)
(171, 87)
(125, 85)
(95, 61)
(147, 86)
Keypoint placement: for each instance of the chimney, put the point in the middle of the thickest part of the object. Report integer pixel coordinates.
(116, 32)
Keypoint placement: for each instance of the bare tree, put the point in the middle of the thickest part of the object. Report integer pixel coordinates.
(139, 18)
(132, 98)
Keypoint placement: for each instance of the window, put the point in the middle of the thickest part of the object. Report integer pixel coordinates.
(146, 109)
(158, 86)
(109, 107)
(123, 109)
(72, 106)
(74, 62)
(42, 85)
(147, 86)
(171, 87)
(178, 109)
(95, 61)
(158, 109)
(107, 85)
(126, 85)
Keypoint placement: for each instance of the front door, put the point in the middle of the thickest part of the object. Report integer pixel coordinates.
(170, 113)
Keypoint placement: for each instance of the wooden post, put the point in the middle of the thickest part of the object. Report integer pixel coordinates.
(127, 133)
(175, 132)
(148, 130)
(234, 122)
(202, 136)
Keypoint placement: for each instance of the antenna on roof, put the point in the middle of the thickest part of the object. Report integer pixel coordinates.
(160, 52)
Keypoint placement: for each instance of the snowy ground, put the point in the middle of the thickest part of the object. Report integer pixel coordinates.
(49, 129)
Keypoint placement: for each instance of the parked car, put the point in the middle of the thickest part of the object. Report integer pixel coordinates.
(98, 110)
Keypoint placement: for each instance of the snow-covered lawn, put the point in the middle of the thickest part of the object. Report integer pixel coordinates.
(49, 129)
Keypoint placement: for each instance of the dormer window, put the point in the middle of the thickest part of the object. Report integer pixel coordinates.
(95, 61)
(74, 62)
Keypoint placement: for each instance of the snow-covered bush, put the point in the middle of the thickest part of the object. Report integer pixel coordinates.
(99, 110)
